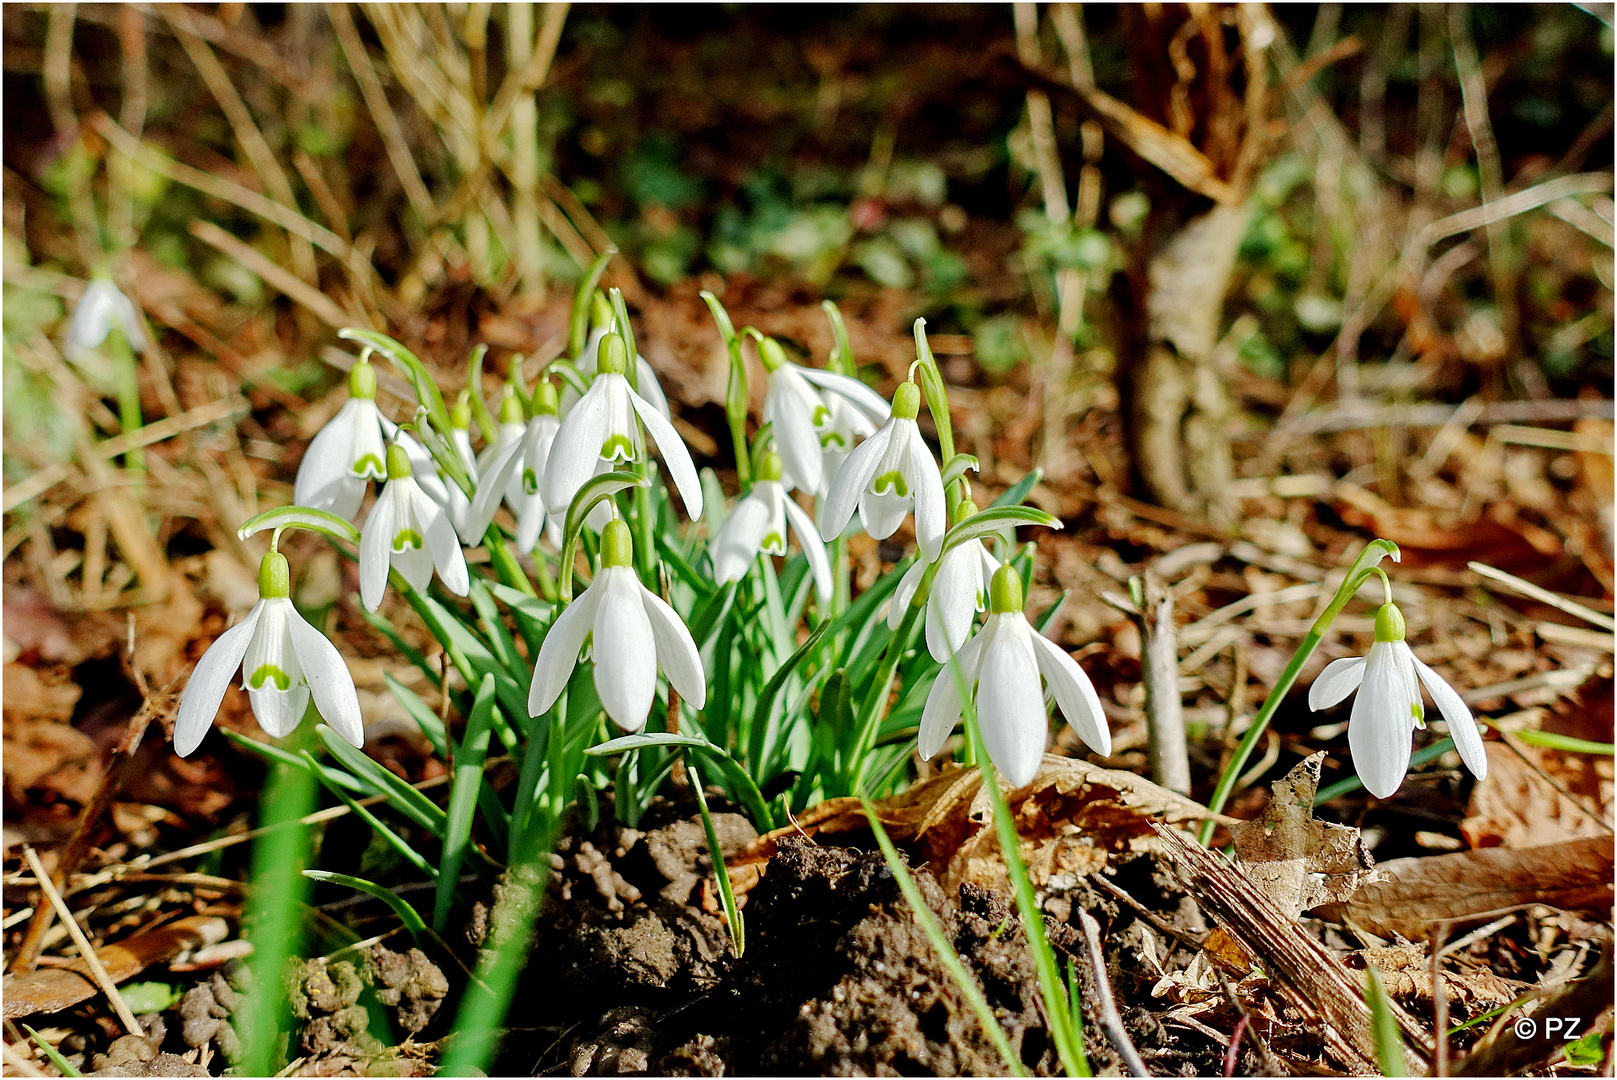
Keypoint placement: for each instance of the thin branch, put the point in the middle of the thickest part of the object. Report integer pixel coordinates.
(1110, 1020)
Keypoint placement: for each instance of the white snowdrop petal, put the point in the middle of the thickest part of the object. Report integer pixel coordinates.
(368, 451)
(942, 710)
(558, 653)
(625, 651)
(881, 514)
(675, 455)
(676, 650)
(1010, 704)
(791, 406)
(1462, 727)
(278, 712)
(647, 386)
(1380, 724)
(577, 448)
(199, 704)
(953, 603)
(443, 545)
(1339, 679)
(926, 488)
(323, 480)
(849, 485)
(855, 392)
(737, 544)
(414, 565)
(1074, 694)
(495, 478)
(330, 684)
(375, 550)
(808, 538)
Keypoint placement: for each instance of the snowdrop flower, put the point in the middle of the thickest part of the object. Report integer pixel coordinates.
(646, 384)
(284, 661)
(846, 426)
(512, 467)
(885, 476)
(101, 308)
(349, 452)
(407, 527)
(1004, 661)
(455, 501)
(602, 428)
(630, 633)
(802, 417)
(959, 591)
(758, 525)
(1388, 708)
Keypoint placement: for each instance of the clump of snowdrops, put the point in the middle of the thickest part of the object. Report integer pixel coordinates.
(625, 616)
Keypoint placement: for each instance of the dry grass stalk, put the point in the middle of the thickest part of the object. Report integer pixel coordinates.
(316, 301)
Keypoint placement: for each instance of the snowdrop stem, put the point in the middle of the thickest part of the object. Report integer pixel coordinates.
(737, 395)
(1362, 567)
(1386, 586)
(621, 311)
(129, 418)
(578, 328)
(594, 490)
(474, 395)
(841, 360)
(937, 398)
(871, 709)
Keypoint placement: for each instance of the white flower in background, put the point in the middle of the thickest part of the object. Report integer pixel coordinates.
(758, 526)
(630, 633)
(885, 476)
(1388, 708)
(802, 418)
(847, 426)
(602, 428)
(959, 591)
(284, 661)
(512, 467)
(101, 308)
(409, 529)
(646, 384)
(456, 502)
(348, 453)
(1004, 661)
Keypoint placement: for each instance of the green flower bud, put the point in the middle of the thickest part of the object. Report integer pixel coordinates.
(907, 402)
(274, 579)
(511, 408)
(1005, 591)
(613, 358)
(770, 352)
(398, 462)
(1389, 623)
(544, 399)
(617, 545)
(362, 381)
(769, 466)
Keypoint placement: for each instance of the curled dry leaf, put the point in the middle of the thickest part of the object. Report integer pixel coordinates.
(1303, 863)
(1407, 972)
(1527, 798)
(1071, 818)
(1412, 894)
(49, 990)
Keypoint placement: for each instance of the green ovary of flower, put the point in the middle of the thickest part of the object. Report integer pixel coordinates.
(891, 481)
(407, 539)
(266, 673)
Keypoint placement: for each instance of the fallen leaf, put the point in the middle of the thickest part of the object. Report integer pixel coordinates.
(1302, 862)
(1517, 805)
(1407, 972)
(49, 990)
(1412, 894)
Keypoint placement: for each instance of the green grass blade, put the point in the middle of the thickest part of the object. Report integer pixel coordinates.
(425, 718)
(278, 756)
(732, 914)
(407, 914)
(1389, 1044)
(940, 944)
(463, 791)
(328, 777)
(63, 1066)
(400, 795)
(763, 718)
(408, 651)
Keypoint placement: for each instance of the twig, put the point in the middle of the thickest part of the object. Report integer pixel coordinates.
(1440, 1002)
(1110, 1021)
(91, 960)
(290, 284)
(1527, 588)
(387, 122)
(1266, 1058)
(1161, 925)
(1232, 1055)
(20, 1063)
(1164, 708)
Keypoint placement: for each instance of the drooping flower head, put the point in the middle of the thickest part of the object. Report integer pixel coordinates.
(1004, 661)
(1388, 708)
(102, 307)
(646, 384)
(758, 526)
(284, 662)
(629, 632)
(348, 453)
(804, 420)
(959, 591)
(886, 476)
(602, 428)
(513, 467)
(410, 530)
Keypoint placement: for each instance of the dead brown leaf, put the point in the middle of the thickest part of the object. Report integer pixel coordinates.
(1407, 972)
(49, 990)
(1519, 805)
(1414, 893)
(1302, 862)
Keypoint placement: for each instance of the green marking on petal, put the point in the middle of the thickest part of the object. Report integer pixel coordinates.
(1419, 711)
(834, 438)
(893, 481)
(530, 482)
(407, 539)
(822, 416)
(616, 447)
(775, 544)
(369, 465)
(267, 672)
